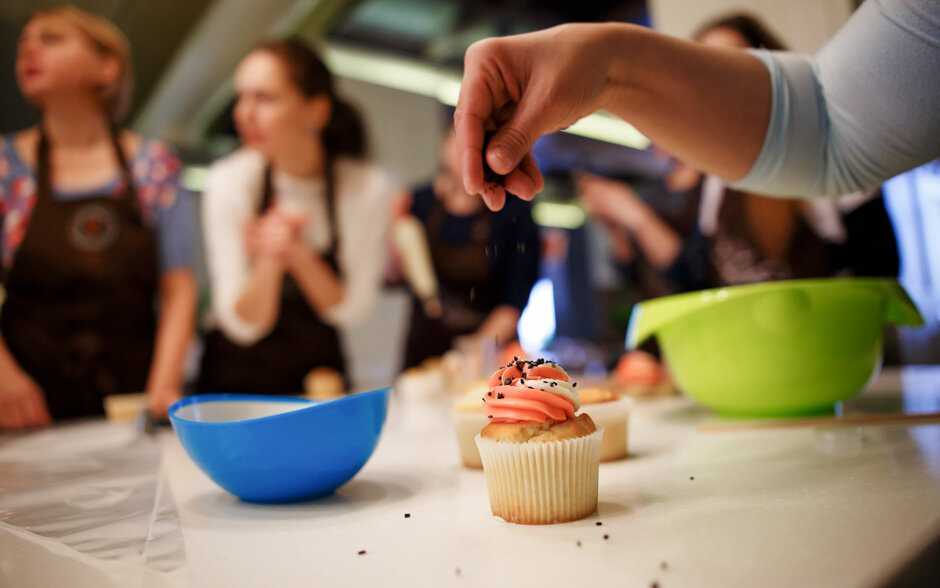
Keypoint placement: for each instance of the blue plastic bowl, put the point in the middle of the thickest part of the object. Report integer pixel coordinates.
(274, 449)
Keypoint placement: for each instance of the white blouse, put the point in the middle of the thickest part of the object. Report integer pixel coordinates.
(363, 212)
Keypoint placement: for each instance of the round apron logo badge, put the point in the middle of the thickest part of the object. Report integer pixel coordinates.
(93, 228)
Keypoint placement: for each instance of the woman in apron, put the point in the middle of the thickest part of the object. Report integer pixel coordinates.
(93, 229)
(295, 228)
(485, 264)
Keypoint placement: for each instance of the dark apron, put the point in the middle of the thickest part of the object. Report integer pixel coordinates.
(79, 316)
(466, 286)
(299, 342)
(735, 258)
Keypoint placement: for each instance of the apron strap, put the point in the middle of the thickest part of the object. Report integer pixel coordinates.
(44, 187)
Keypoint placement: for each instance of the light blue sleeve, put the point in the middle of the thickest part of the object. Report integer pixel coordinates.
(158, 169)
(865, 109)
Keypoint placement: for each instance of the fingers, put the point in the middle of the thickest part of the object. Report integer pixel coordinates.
(25, 410)
(10, 418)
(470, 131)
(526, 180)
(34, 411)
(494, 197)
(475, 106)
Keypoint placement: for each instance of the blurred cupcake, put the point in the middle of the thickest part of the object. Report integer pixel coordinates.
(323, 383)
(611, 412)
(469, 420)
(418, 384)
(640, 374)
(540, 460)
(124, 407)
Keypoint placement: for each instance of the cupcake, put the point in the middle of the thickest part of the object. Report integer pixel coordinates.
(420, 383)
(640, 374)
(540, 459)
(323, 383)
(611, 412)
(469, 420)
(124, 407)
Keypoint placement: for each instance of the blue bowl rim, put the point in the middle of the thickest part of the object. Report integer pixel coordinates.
(206, 398)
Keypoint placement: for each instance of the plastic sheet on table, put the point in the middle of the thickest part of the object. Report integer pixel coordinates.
(89, 500)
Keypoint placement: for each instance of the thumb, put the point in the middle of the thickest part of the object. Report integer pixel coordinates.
(515, 138)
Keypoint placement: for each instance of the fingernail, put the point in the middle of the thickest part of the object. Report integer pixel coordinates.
(502, 159)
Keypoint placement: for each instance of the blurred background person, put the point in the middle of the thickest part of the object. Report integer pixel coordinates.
(737, 238)
(295, 227)
(96, 235)
(484, 264)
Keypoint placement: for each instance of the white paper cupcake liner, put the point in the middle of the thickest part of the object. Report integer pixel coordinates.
(542, 483)
(614, 417)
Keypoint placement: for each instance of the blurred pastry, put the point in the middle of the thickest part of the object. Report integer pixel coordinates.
(124, 407)
(640, 374)
(422, 382)
(324, 383)
(610, 411)
(469, 420)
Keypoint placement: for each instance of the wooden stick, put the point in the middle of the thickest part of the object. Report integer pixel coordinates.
(849, 419)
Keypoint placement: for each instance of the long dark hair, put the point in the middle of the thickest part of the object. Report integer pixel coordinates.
(755, 32)
(344, 134)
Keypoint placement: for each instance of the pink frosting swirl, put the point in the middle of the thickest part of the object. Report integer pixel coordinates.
(523, 391)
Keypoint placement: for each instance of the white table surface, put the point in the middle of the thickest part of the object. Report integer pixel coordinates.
(816, 506)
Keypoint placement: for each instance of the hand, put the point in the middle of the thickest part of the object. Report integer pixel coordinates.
(22, 405)
(611, 201)
(159, 400)
(272, 235)
(525, 86)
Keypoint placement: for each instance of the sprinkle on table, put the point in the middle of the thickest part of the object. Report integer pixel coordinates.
(691, 477)
(407, 515)
(578, 544)
(362, 552)
(598, 523)
(606, 536)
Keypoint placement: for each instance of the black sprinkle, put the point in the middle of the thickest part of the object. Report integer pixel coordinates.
(691, 477)
(407, 515)
(362, 552)
(606, 536)
(489, 393)
(654, 585)
(598, 523)
(578, 544)
(524, 375)
(500, 396)
(574, 384)
(489, 416)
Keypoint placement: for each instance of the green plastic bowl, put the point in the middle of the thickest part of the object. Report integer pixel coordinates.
(775, 348)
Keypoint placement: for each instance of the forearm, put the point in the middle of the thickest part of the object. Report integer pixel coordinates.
(8, 363)
(260, 300)
(500, 324)
(657, 241)
(320, 286)
(174, 330)
(707, 106)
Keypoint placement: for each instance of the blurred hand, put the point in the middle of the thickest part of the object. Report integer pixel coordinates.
(271, 235)
(525, 86)
(611, 201)
(22, 405)
(159, 400)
